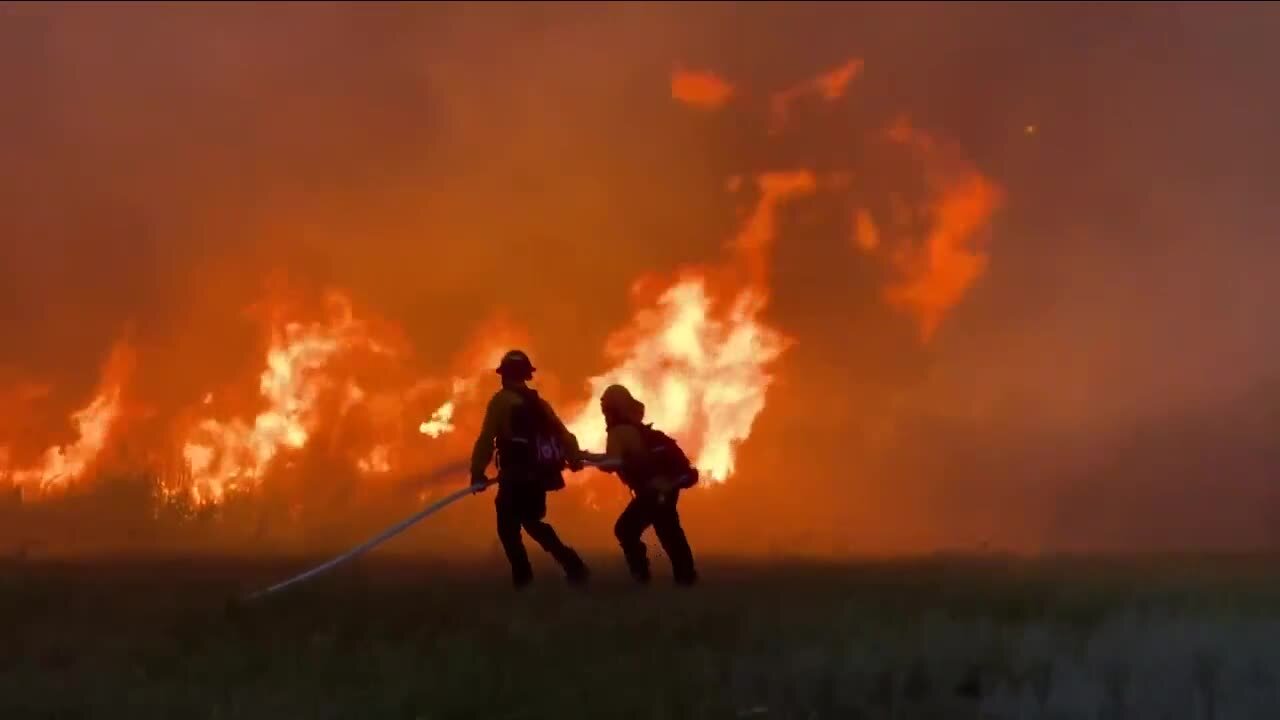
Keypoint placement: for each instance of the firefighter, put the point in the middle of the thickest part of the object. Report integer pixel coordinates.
(533, 448)
(656, 470)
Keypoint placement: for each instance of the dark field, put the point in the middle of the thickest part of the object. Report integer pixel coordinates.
(938, 638)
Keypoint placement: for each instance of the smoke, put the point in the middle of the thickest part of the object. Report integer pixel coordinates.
(1024, 339)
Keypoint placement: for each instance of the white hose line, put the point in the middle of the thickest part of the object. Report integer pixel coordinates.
(366, 546)
(377, 540)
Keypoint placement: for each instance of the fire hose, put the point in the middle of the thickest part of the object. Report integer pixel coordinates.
(389, 533)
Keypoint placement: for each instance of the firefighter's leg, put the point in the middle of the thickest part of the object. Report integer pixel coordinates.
(508, 512)
(666, 525)
(630, 526)
(533, 510)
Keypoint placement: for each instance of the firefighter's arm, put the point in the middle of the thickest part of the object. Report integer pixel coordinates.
(610, 460)
(623, 443)
(602, 461)
(482, 453)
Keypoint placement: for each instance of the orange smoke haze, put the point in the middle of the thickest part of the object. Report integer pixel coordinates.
(870, 333)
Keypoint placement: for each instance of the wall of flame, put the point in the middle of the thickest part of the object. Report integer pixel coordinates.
(256, 288)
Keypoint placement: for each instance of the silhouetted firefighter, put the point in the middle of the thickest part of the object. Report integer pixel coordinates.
(533, 448)
(654, 467)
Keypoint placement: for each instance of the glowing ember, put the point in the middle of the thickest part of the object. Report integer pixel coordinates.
(378, 461)
(441, 421)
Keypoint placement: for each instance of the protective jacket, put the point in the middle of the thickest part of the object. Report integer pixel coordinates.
(531, 442)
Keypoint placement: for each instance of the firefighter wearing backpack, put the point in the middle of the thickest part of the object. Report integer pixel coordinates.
(533, 449)
(654, 467)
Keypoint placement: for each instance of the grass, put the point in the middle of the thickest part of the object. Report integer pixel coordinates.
(386, 638)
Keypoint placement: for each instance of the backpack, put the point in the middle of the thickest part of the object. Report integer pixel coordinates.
(666, 459)
(533, 450)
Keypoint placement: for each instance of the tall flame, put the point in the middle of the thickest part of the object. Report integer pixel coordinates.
(702, 366)
(94, 423)
(226, 455)
(703, 378)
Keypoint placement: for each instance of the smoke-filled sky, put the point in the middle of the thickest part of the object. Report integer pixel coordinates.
(1109, 380)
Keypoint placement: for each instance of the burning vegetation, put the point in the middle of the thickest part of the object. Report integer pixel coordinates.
(700, 347)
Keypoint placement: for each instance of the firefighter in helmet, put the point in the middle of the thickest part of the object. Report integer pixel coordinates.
(652, 465)
(533, 448)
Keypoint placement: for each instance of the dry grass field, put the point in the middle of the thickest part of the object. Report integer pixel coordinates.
(946, 638)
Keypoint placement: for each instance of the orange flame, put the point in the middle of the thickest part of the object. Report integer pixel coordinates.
(698, 351)
(865, 234)
(441, 421)
(830, 86)
(377, 461)
(702, 378)
(702, 90)
(702, 367)
(754, 241)
(94, 424)
(230, 455)
(935, 274)
(935, 278)
(481, 355)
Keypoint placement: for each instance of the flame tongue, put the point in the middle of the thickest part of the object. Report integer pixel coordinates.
(933, 273)
(701, 366)
(703, 378)
(94, 424)
(61, 464)
(441, 421)
(481, 355)
(224, 456)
